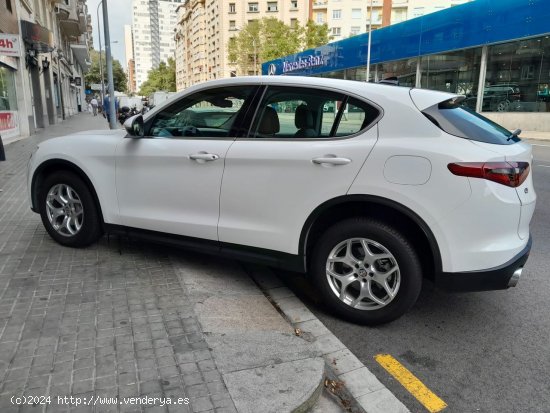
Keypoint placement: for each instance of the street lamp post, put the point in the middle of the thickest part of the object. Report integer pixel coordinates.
(109, 57)
(100, 58)
(369, 41)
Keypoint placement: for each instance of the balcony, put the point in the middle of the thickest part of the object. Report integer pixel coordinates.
(73, 24)
(321, 4)
(81, 52)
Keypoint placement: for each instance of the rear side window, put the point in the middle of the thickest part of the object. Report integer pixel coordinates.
(465, 123)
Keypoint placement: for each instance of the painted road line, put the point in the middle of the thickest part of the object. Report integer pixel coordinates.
(408, 380)
(544, 166)
(536, 144)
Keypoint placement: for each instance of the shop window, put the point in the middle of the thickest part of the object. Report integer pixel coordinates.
(517, 77)
(455, 72)
(403, 70)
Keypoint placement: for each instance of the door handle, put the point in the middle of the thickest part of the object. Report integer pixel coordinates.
(205, 157)
(331, 160)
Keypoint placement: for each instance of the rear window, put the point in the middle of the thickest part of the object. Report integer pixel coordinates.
(465, 123)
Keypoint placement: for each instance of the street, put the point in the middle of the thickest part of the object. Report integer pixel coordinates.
(479, 352)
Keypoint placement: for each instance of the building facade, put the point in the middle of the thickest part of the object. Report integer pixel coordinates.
(205, 28)
(153, 23)
(42, 76)
(494, 53)
(346, 18)
(129, 57)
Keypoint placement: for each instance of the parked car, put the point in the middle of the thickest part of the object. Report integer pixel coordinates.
(411, 187)
(498, 98)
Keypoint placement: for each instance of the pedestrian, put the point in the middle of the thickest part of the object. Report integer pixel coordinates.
(94, 104)
(2, 153)
(106, 107)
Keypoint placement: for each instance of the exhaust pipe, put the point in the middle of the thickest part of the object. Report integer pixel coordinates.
(515, 278)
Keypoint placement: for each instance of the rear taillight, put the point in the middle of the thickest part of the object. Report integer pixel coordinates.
(511, 174)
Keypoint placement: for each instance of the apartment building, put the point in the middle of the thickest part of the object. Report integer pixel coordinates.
(205, 28)
(347, 18)
(129, 57)
(44, 55)
(153, 23)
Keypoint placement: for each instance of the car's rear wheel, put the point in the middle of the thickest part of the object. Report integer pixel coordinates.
(68, 210)
(366, 271)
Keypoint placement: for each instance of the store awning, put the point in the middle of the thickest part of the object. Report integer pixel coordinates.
(38, 37)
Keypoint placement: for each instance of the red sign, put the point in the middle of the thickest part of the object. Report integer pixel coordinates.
(8, 120)
(9, 45)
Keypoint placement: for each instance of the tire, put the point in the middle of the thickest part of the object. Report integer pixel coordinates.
(68, 210)
(503, 106)
(397, 263)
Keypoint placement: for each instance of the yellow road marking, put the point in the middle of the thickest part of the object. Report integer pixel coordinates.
(408, 380)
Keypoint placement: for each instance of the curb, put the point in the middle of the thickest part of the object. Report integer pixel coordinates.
(263, 364)
(357, 388)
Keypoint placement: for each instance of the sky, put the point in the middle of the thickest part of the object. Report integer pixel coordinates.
(120, 13)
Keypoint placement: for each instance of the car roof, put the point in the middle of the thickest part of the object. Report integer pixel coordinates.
(378, 93)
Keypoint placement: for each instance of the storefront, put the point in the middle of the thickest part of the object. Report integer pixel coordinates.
(496, 53)
(9, 117)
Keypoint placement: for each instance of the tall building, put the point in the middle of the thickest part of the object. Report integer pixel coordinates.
(205, 28)
(153, 23)
(129, 57)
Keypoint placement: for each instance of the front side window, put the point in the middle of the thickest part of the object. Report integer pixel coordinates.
(299, 113)
(208, 113)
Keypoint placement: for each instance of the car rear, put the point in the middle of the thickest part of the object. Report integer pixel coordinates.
(493, 225)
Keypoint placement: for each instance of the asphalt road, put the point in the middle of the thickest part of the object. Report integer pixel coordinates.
(479, 352)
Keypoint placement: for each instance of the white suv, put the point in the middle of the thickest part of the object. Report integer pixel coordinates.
(396, 185)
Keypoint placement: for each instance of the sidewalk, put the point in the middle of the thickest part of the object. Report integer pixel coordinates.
(130, 319)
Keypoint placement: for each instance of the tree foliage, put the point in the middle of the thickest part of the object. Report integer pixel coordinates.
(315, 35)
(163, 78)
(269, 38)
(94, 76)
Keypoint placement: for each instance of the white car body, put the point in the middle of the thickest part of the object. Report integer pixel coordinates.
(261, 193)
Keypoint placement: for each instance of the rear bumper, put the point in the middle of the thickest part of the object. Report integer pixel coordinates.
(497, 278)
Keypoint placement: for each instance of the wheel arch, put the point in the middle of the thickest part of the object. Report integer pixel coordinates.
(54, 165)
(372, 206)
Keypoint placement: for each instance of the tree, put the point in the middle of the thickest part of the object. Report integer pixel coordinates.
(269, 38)
(316, 35)
(163, 78)
(93, 75)
(262, 40)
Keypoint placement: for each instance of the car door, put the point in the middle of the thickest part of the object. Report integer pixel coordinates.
(169, 180)
(296, 156)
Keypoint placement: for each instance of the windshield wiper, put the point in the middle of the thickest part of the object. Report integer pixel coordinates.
(514, 134)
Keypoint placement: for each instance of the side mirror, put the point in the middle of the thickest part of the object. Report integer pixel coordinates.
(134, 126)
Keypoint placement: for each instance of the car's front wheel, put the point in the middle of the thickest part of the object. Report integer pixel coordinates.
(68, 210)
(366, 271)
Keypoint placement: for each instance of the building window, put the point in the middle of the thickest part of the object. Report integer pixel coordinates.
(293, 22)
(253, 8)
(271, 6)
(336, 31)
(294, 4)
(232, 8)
(356, 13)
(320, 18)
(232, 25)
(355, 30)
(336, 14)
